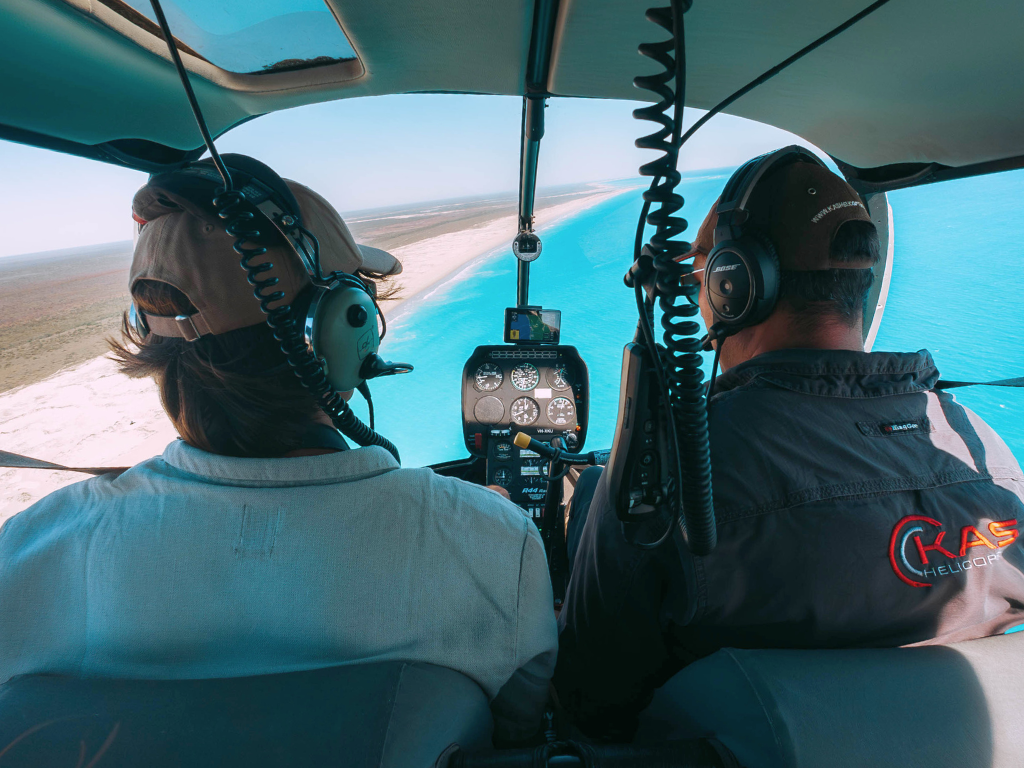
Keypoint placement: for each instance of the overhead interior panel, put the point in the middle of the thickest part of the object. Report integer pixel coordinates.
(462, 46)
(65, 75)
(76, 71)
(916, 81)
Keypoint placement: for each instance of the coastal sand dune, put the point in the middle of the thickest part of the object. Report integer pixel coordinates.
(87, 414)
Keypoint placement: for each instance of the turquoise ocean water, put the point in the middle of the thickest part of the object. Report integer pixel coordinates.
(956, 283)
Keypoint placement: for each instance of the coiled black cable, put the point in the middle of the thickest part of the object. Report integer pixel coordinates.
(678, 367)
(239, 222)
(681, 383)
(239, 218)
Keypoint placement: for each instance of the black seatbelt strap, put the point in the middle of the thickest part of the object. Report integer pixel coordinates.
(317, 436)
(17, 461)
(1019, 382)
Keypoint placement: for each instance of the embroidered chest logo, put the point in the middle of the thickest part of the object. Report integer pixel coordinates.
(895, 428)
(900, 427)
(920, 553)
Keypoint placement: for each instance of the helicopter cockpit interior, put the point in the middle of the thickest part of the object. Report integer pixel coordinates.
(935, 96)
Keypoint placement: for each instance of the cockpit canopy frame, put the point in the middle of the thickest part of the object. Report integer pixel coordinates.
(916, 92)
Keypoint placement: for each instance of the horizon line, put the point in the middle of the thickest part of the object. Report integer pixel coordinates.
(512, 193)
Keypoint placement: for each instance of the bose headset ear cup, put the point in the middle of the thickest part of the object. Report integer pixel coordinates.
(741, 281)
(341, 327)
(739, 248)
(728, 284)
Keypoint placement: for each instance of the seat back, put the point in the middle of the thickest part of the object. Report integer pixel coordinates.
(960, 704)
(392, 715)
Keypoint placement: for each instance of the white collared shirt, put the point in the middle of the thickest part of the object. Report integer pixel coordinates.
(194, 565)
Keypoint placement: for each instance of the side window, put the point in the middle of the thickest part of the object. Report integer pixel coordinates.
(956, 289)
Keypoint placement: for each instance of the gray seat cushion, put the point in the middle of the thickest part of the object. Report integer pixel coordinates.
(387, 715)
(958, 705)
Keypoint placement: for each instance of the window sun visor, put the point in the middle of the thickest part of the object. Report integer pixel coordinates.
(247, 36)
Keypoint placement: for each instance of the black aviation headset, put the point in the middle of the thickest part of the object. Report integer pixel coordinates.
(741, 274)
(333, 348)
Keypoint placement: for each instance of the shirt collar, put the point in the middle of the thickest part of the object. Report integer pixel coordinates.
(323, 436)
(342, 467)
(834, 373)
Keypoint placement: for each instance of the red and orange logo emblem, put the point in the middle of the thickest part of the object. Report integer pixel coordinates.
(919, 553)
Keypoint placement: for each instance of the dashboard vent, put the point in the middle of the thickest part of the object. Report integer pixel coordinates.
(523, 354)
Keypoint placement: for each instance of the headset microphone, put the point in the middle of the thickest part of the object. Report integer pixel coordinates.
(341, 330)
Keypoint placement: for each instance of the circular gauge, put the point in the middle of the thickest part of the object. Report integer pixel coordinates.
(561, 411)
(560, 377)
(524, 411)
(572, 441)
(503, 477)
(489, 410)
(503, 451)
(525, 377)
(488, 377)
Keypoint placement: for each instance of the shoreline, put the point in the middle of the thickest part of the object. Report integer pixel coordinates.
(88, 414)
(493, 238)
(62, 305)
(473, 244)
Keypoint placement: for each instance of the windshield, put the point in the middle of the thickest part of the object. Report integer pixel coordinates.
(433, 179)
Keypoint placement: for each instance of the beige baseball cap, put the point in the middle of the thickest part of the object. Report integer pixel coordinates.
(183, 246)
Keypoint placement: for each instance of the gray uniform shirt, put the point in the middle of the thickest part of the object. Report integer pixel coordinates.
(193, 565)
(856, 506)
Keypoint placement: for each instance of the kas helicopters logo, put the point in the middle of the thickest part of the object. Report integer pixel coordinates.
(918, 550)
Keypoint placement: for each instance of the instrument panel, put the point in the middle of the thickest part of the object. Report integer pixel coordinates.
(542, 391)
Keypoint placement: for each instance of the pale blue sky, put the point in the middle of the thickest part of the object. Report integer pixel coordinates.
(367, 153)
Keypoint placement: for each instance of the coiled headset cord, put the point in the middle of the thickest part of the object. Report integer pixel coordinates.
(680, 385)
(678, 370)
(240, 224)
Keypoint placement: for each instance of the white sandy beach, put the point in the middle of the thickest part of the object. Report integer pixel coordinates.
(428, 262)
(90, 415)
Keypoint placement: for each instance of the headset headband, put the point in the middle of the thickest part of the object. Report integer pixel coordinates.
(742, 183)
(264, 194)
(261, 187)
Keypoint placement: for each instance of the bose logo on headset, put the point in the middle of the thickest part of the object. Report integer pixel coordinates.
(727, 268)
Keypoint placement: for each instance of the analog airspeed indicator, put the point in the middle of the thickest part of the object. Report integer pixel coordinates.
(524, 411)
(525, 377)
(560, 377)
(561, 411)
(488, 377)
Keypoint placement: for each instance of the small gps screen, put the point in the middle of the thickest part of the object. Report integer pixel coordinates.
(532, 325)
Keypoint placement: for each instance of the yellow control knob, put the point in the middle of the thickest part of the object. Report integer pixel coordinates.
(522, 440)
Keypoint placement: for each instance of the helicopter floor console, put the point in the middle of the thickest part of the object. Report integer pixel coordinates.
(540, 388)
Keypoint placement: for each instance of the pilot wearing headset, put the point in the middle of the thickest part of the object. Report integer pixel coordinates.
(261, 541)
(857, 505)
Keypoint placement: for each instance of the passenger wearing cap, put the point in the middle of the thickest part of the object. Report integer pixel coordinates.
(260, 542)
(857, 506)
